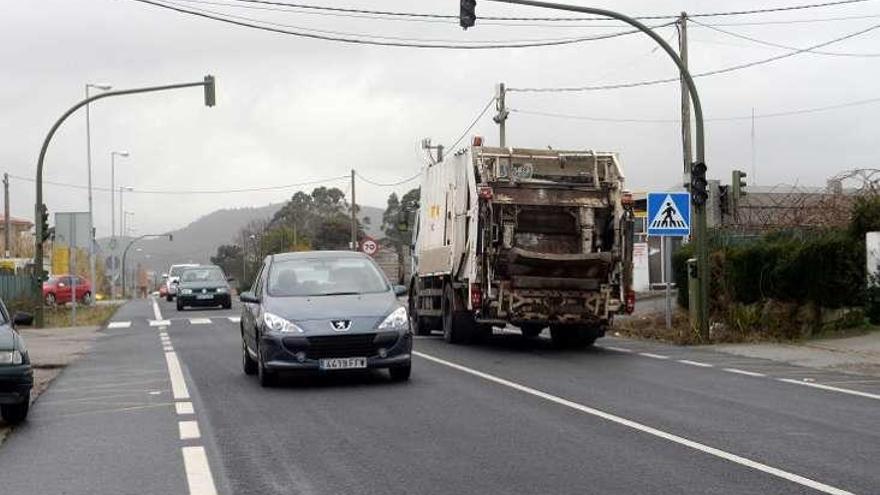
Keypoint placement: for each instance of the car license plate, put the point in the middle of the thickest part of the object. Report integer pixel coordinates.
(343, 363)
(205, 296)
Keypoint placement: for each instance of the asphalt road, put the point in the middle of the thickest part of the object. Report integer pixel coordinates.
(509, 416)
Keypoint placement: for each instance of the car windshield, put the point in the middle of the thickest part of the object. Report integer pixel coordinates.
(324, 277)
(177, 270)
(208, 274)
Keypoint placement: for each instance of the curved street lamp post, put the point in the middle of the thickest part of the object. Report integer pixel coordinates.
(700, 307)
(39, 274)
(125, 253)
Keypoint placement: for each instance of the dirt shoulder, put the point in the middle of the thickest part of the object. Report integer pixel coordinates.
(859, 354)
(51, 350)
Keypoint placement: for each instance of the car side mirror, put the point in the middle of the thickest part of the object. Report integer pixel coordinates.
(249, 297)
(400, 290)
(21, 318)
(164, 276)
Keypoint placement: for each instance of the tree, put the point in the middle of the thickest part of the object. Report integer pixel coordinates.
(229, 258)
(396, 225)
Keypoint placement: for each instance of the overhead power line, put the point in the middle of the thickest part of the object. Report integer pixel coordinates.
(192, 191)
(715, 119)
(471, 126)
(724, 70)
(387, 184)
(552, 19)
(360, 39)
(784, 47)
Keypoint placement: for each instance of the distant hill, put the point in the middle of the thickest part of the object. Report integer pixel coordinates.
(198, 241)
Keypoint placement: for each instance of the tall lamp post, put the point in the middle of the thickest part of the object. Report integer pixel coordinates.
(39, 208)
(125, 253)
(113, 155)
(101, 87)
(701, 306)
(122, 190)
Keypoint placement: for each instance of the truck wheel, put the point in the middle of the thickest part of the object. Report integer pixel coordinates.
(418, 324)
(456, 324)
(531, 331)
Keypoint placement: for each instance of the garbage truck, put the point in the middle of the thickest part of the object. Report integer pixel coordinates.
(532, 238)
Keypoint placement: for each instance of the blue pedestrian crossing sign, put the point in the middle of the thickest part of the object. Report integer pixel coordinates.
(669, 214)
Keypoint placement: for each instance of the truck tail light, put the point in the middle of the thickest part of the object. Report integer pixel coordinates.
(476, 296)
(630, 301)
(485, 192)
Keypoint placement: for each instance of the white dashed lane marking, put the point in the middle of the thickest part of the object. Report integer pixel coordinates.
(695, 363)
(119, 324)
(159, 323)
(198, 472)
(744, 372)
(199, 321)
(184, 408)
(234, 319)
(618, 349)
(189, 430)
(654, 356)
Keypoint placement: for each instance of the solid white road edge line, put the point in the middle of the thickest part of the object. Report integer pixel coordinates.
(744, 372)
(833, 389)
(189, 430)
(178, 385)
(119, 324)
(184, 408)
(198, 472)
(694, 363)
(644, 428)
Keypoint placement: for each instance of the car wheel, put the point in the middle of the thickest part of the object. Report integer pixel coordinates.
(87, 299)
(15, 413)
(227, 305)
(267, 378)
(169, 298)
(179, 306)
(531, 331)
(400, 373)
(50, 299)
(247, 363)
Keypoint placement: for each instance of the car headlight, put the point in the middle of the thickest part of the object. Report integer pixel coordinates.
(186, 291)
(276, 323)
(397, 320)
(222, 290)
(11, 357)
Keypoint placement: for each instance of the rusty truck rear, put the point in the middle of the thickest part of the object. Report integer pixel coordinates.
(529, 237)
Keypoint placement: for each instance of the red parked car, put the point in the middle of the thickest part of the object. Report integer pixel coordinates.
(59, 290)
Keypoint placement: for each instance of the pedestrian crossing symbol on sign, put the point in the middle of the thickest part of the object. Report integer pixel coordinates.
(669, 214)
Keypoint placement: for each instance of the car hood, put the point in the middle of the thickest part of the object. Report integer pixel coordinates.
(365, 311)
(202, 285)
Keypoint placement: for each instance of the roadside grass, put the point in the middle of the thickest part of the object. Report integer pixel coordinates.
(94, 315)
(652, 326)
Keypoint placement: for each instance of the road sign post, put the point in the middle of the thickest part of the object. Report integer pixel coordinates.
(669, 215)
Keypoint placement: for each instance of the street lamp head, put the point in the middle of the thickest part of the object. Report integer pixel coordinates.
(120, 153)
(101, 86)
(126, 188)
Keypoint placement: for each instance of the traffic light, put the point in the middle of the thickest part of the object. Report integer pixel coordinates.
(738, 184)
(44, 222)
(699, 192)
(467, 15)
(210, 97)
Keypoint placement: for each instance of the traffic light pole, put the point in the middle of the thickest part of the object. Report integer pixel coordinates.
(702, 248)
(38, 275)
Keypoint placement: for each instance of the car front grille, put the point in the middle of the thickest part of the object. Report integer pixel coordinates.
(332, 346)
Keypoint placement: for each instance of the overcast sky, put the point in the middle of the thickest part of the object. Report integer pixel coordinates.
(291, 109)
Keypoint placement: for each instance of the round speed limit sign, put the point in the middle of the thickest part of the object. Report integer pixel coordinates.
(369, 246)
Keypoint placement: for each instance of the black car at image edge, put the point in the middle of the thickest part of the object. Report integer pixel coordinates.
(323, 311)
(16, 375)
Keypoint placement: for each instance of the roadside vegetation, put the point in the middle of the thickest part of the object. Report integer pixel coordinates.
(783, 286)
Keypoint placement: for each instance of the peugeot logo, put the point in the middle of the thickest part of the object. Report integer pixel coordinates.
(340, 325)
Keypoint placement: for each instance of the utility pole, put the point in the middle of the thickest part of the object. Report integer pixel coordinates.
(6, 219)
(687, 154)
(500, 118)
(354, 229)
(103, 87)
